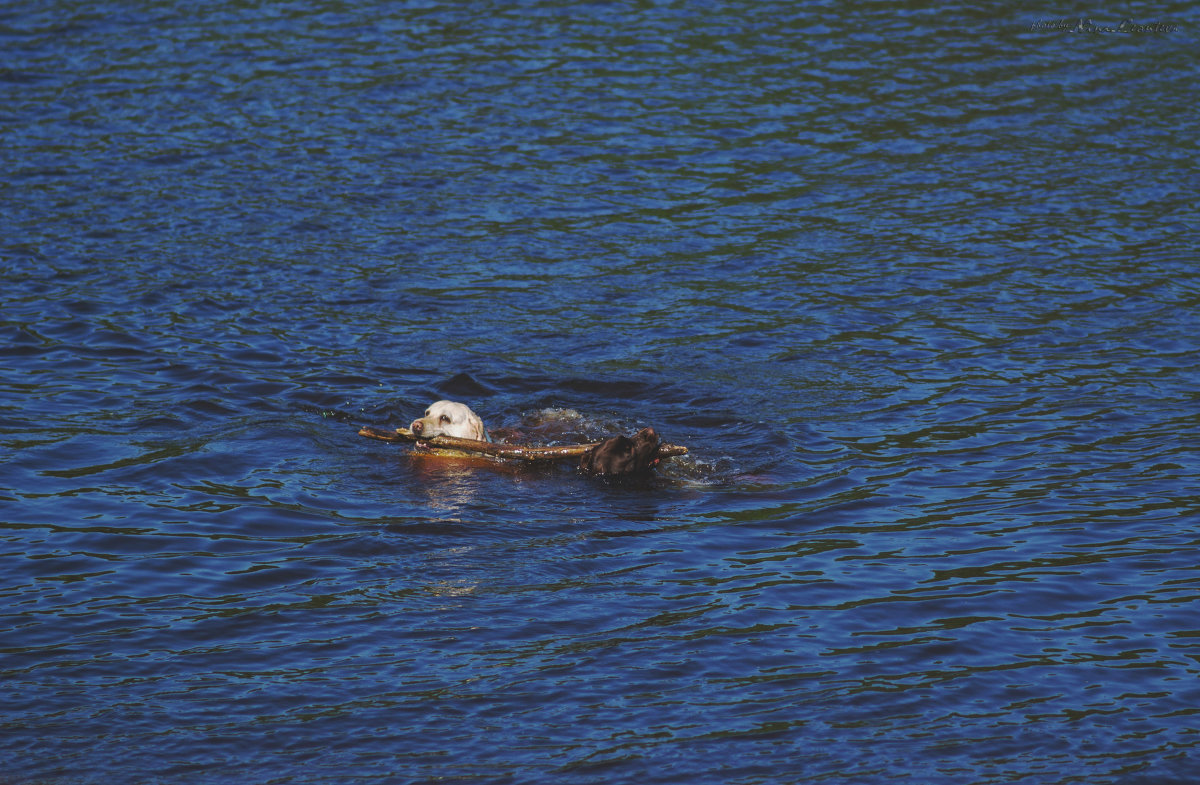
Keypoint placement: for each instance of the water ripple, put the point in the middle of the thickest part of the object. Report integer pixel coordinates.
(911, 284)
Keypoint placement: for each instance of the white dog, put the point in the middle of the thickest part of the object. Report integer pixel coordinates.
(447, 418)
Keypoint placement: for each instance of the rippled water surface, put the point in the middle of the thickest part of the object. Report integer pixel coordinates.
(917, 286)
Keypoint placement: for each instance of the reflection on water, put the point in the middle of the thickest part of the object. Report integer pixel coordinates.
(912, 286)
(450, 483)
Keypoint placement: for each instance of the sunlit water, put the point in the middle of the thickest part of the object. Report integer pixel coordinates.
(916, 286)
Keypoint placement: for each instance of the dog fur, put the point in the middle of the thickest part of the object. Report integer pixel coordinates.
(621, 456)
(448, 418)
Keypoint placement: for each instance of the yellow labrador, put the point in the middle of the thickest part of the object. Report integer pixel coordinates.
(447, 418)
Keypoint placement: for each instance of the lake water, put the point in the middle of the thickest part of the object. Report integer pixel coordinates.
(916, 284)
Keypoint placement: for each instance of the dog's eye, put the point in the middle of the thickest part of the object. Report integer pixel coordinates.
(445, 418)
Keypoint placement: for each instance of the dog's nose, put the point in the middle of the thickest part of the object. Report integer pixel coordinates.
(416, 427)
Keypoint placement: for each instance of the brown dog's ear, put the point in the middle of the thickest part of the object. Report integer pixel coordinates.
(620, 455)
(585, 461)
(598, 459)
(592, 461)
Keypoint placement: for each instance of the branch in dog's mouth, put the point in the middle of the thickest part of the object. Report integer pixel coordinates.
(511, 451)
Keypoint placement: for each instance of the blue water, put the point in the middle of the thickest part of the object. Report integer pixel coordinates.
(917, 286)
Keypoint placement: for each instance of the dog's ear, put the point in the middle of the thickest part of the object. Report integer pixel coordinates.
(597, 459)
(589, 460)
(612, 456)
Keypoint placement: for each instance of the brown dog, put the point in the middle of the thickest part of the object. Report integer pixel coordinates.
(622, 456)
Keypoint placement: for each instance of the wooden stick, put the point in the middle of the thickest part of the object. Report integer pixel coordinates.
(500, 450)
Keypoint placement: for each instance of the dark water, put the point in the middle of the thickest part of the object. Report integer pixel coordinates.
(917, 285)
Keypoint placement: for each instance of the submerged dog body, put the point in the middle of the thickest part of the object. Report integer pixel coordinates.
(448, 418)
(622, 456)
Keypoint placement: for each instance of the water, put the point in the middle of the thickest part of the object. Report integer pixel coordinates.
(916, 285)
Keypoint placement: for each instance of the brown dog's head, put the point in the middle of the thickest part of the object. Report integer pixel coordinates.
(621, 455)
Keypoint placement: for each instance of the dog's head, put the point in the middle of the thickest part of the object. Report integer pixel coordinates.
(447, 418)
(621, 455)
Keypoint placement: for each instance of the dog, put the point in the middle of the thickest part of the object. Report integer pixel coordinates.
(447, 418)
(621, 456)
